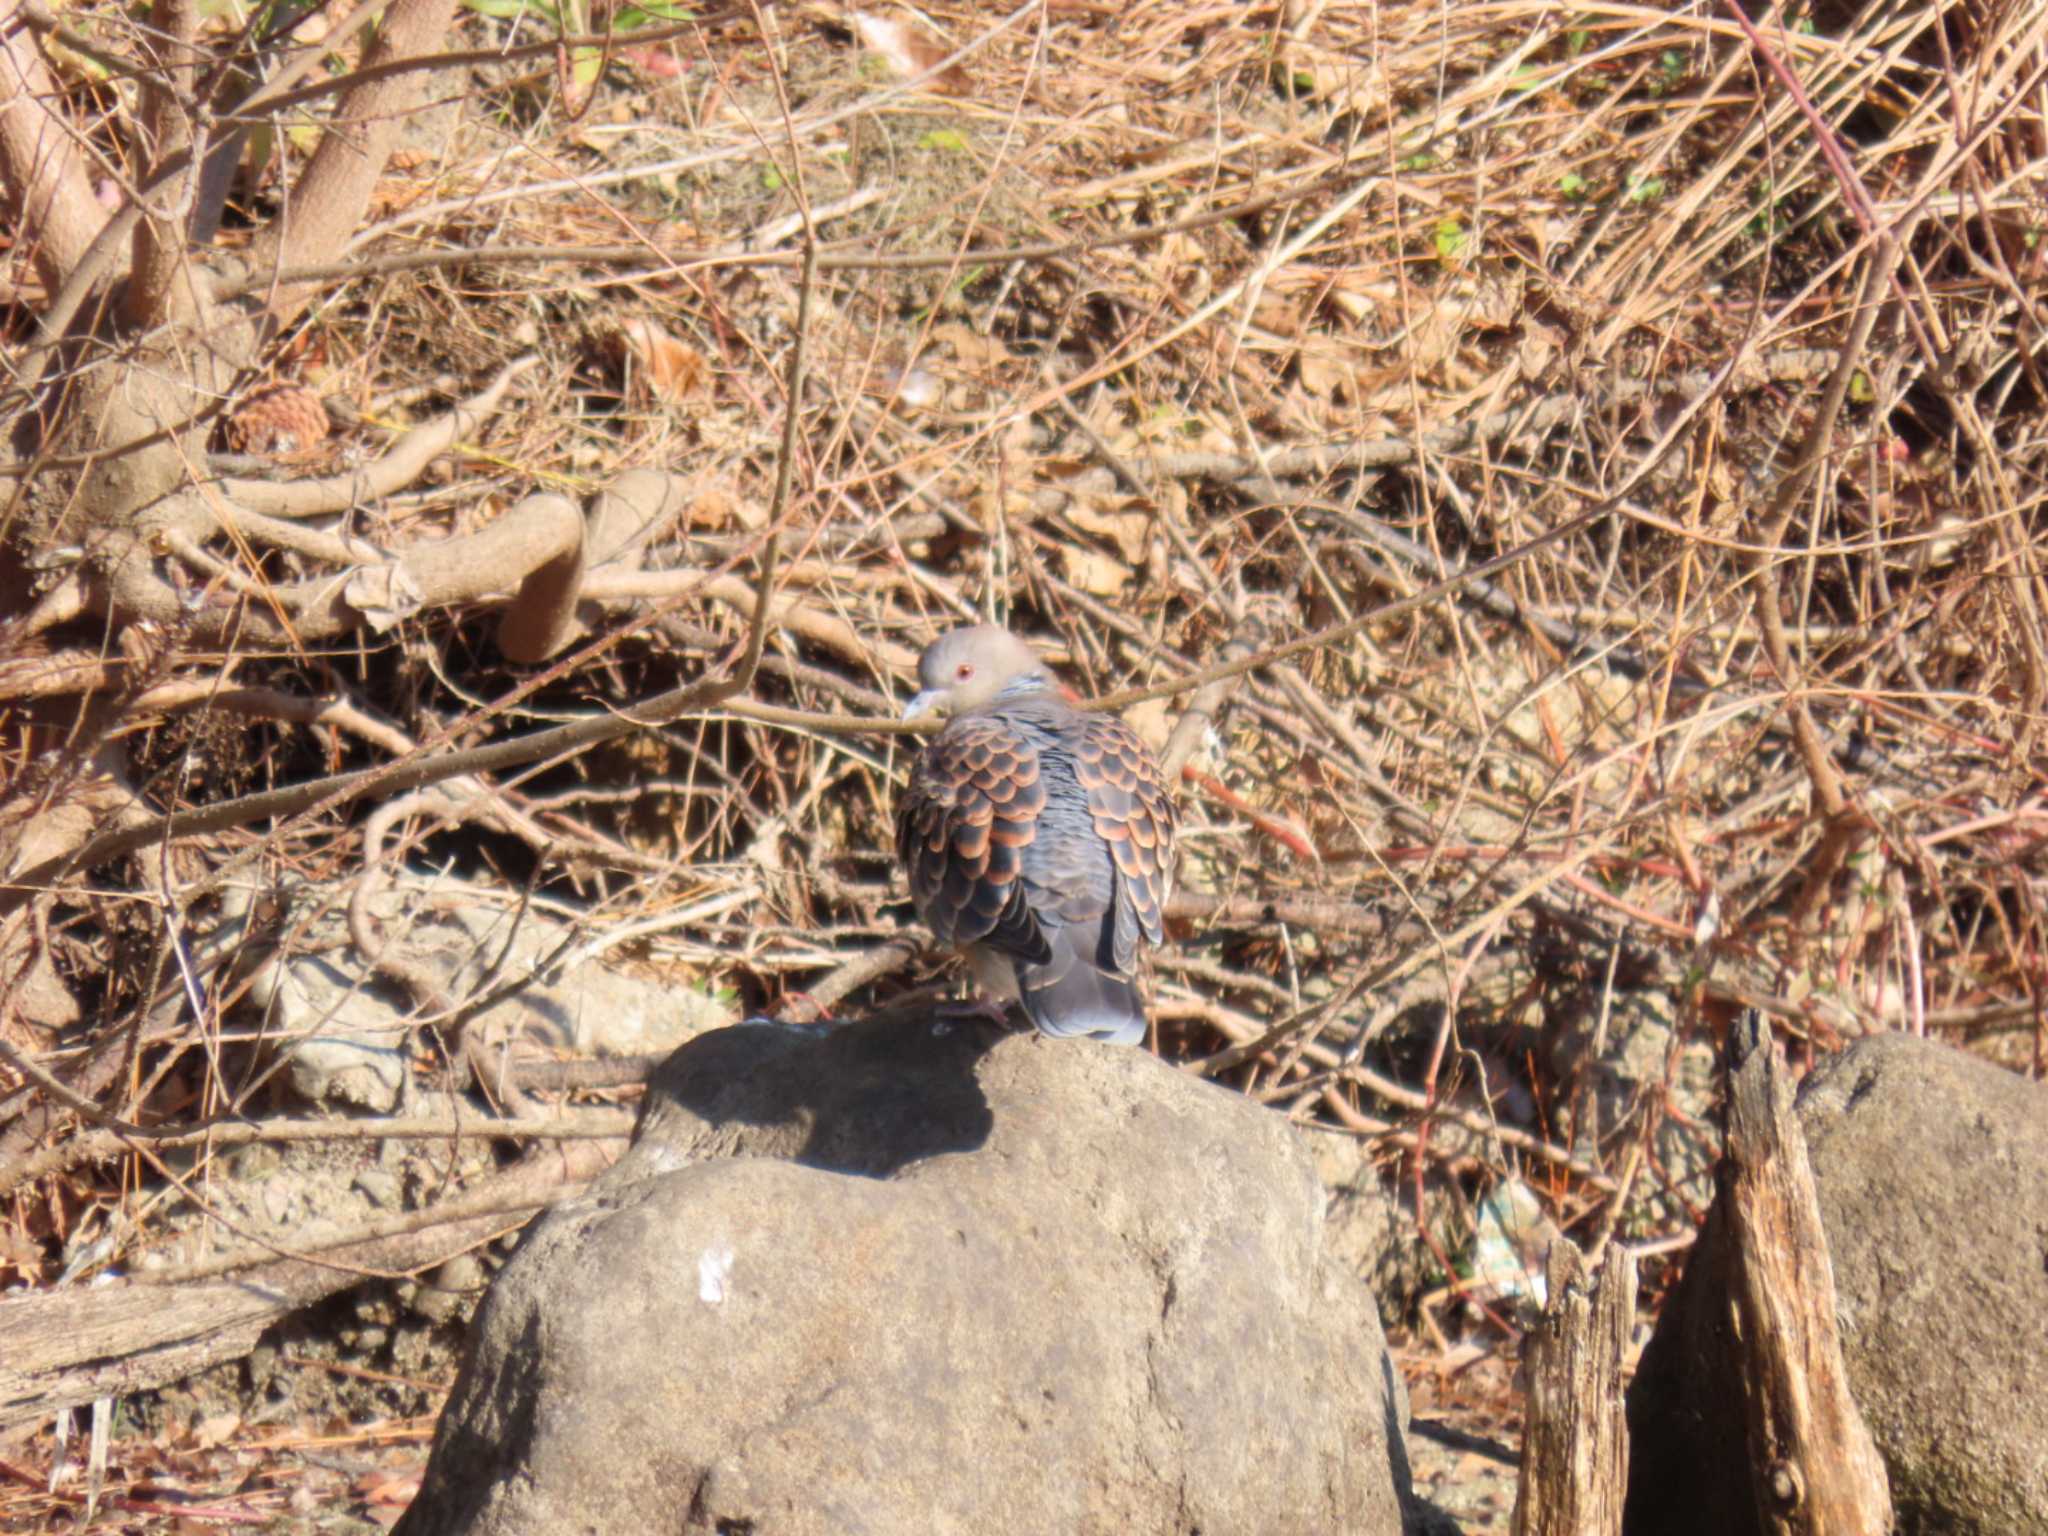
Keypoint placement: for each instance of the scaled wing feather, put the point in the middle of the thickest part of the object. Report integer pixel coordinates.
(967, 821)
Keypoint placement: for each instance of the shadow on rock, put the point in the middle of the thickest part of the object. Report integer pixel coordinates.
(866, 1098)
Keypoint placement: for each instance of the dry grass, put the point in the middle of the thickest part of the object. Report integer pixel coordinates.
(1173, 334)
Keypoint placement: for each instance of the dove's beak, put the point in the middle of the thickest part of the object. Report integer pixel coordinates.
(922, 704)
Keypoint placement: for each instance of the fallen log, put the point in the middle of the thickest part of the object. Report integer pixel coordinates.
(62, 1348)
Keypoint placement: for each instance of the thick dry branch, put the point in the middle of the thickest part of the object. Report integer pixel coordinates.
(47, 188)
(535, 548)
(328, 202)
(814, 623)
(534, 551)
(161, 279)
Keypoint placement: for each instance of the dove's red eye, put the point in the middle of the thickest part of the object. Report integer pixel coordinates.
(965, 671)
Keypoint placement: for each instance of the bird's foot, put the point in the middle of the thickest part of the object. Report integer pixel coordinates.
(975, 1010)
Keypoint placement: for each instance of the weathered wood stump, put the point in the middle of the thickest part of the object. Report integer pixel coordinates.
(1575, 1439)
(1740, 1414)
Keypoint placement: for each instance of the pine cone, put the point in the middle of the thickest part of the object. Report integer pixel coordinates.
(279, 421)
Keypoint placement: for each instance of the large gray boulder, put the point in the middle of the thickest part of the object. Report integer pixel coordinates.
(1931, 1168)
(894, 1278)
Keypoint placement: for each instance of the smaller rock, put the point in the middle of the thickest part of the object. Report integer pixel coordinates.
(379, 1186)
(260, 1365)
(1932, 1170)
(279, 1201)
(452, 1288)
(256, 1162)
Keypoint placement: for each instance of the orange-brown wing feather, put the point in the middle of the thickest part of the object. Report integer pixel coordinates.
(1134, 816)
(971, 811)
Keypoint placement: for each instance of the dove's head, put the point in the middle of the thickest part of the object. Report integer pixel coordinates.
(967, 668)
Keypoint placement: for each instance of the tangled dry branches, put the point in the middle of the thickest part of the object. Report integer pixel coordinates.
(1577, 489)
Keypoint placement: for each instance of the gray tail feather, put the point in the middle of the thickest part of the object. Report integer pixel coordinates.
(1070, 995)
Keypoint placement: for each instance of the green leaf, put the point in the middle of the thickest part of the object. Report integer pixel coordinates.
(1644, 189)
(259, 146)
(633, 17)
(948, 139)
(1859, 388)
(506, 10)
(771, 178)
(1572, 184)
(1450, 239)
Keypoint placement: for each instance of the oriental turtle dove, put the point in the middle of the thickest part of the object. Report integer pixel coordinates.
(1038, 837)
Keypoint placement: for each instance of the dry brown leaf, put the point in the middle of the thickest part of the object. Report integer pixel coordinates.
(1153, 720)
(21, 1254)
(1490, 304)
(384, 595)
(1539, 349)
(1323, 369)
(656, 60)
(392, 1489)
(972, 349)
(215, 1429)
(909, 50)
(711, 508)
(1336, 80)
(674, 371)
(1093, 572)
(1277, 312)
(1180, 260)
(1130, 531)
(1166, 426)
